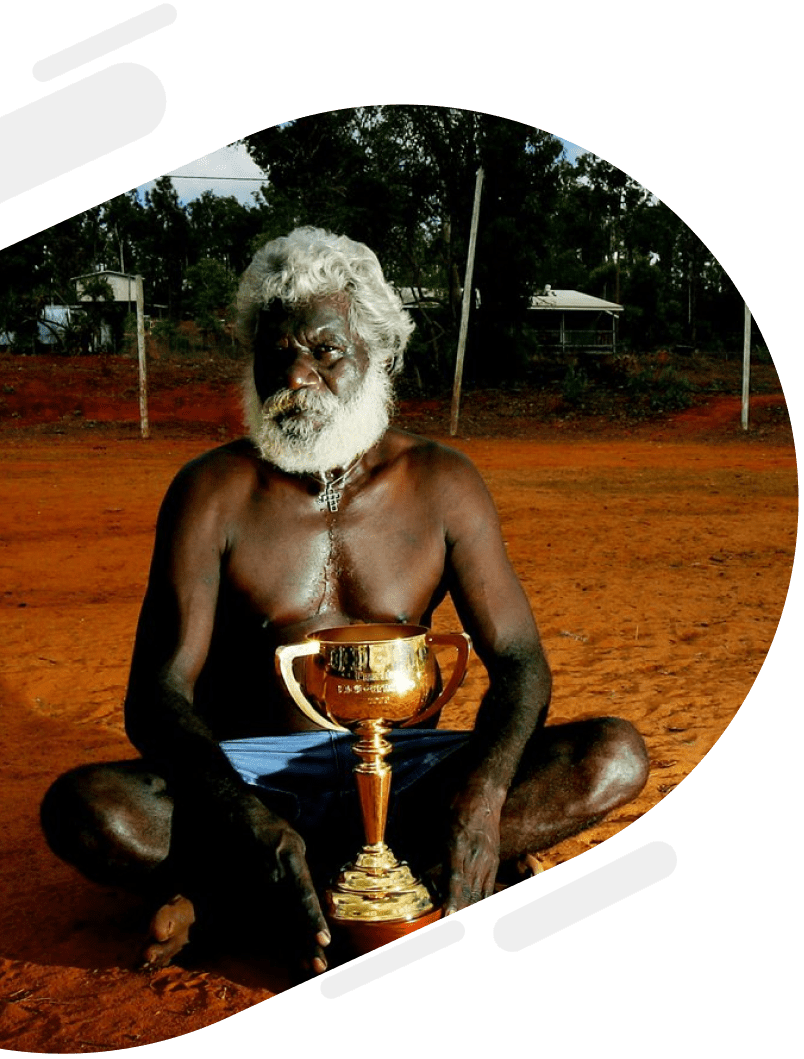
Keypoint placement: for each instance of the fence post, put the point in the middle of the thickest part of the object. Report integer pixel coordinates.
(467, 297)
(746, 365)
(143, 367)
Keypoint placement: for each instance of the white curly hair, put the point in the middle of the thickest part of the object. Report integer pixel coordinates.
(311, 262)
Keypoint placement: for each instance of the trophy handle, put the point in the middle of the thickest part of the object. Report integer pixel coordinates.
(285, 657)
(463, 644)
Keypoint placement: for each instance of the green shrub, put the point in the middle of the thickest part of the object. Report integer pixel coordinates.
(639, 383)
(574, 386)
(670, 392)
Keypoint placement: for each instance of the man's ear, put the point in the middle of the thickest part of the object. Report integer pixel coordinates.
(388, 364)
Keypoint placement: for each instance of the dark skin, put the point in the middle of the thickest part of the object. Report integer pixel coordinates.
(245, 560)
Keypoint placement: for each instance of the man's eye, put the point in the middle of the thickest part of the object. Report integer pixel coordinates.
(327, 353)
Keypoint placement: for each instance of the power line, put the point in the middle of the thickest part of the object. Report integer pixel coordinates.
(185, 176)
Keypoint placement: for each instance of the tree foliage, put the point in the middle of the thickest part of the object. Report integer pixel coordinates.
(402, 179)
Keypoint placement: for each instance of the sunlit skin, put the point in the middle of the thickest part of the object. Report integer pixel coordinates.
(310, 346)
(245, 560)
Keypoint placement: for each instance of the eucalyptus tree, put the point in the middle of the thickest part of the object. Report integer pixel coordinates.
(402, 179)
(164, 247)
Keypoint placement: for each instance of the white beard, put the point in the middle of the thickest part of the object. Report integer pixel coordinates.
(302, 432)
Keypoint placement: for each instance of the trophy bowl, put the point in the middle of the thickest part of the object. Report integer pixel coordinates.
(369, 679)
(354, 673)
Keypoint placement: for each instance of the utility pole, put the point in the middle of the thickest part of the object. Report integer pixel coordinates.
(746, 365)
(143, 367)
(467, 298)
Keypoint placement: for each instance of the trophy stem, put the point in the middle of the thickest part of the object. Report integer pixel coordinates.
(373, 778)
(376, 887)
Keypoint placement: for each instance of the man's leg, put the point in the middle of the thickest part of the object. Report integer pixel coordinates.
(116, 824)
(113, 823)
(570, 777)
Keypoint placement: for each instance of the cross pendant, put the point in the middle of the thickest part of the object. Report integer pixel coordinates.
(329, 498)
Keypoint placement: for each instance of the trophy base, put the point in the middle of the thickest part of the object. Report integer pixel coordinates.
(377, 899)
(357, 937)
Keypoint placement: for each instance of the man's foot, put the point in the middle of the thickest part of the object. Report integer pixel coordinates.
(526, 867)
(529, 865)
(169, 932)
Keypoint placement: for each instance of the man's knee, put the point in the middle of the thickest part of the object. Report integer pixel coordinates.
(109, 821)
(67, 813)
(619, 763)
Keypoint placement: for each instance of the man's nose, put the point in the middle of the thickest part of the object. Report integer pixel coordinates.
(301, 370)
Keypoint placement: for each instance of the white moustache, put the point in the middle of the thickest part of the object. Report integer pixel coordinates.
(288, 402)
(305, 432)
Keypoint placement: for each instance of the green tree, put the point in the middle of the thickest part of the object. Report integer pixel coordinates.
(124, 224)
(164, 247)
(223, 229)
(211, 286)
(614, 239)
(402, 180)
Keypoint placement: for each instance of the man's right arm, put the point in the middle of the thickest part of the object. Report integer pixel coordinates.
(174, 634)
(173, 638)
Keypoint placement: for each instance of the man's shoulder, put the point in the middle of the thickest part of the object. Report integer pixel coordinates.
(434, 459)
(234, 459)
(222, 472)
(416, 446)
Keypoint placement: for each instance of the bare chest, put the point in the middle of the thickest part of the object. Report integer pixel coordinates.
(295, 566)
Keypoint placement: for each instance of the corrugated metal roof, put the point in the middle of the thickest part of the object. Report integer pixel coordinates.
(572, 300)
(568, 300)
(101, 272)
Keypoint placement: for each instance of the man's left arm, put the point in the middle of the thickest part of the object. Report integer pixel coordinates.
(495, 611)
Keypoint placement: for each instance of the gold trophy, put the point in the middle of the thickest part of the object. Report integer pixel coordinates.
(370, 679)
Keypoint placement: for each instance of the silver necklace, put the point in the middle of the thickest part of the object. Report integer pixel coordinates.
(329, 496)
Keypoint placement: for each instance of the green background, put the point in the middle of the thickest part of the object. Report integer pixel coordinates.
(697, 102)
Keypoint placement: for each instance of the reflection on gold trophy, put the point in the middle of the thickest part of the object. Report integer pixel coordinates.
(370, 679)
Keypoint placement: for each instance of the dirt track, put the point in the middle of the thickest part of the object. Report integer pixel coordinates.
(657, 564)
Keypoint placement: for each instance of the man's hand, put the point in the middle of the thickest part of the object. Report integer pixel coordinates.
(280, 852)
(474, 849)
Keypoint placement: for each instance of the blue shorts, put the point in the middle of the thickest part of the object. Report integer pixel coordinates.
(306, 777)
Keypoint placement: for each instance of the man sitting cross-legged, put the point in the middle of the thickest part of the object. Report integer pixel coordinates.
(240, 809)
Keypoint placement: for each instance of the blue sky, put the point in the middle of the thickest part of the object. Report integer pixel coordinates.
(230, 171)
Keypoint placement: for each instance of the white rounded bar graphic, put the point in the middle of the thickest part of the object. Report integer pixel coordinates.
(417, 947)
(77, 124)
(589, 894)
(102, 43)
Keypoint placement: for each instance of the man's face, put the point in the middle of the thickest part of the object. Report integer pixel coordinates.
(316, 399)
(309, 347)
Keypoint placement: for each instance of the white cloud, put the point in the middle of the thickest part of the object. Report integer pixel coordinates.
(229, 171)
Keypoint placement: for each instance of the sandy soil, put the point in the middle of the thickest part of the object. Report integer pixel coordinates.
(656, 555)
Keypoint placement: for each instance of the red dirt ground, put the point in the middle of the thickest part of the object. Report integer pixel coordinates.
(656, 555)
